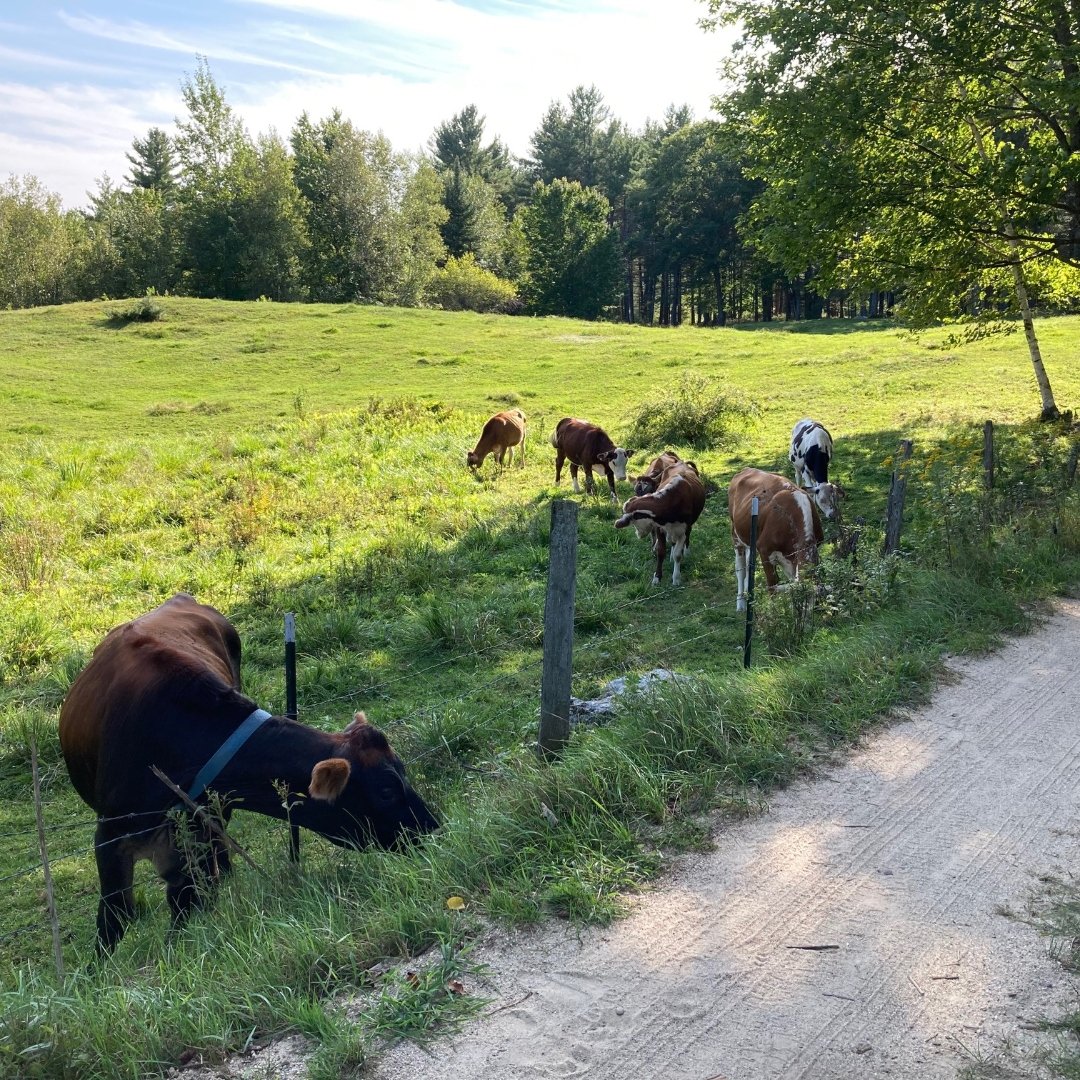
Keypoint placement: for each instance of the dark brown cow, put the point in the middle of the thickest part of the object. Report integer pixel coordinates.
(502, 432)
(669, 499)
(164, 690)
(789, 528)
(585, 445)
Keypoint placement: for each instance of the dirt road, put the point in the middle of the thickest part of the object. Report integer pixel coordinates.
(901, 860)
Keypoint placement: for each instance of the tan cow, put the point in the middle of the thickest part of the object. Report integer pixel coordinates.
(502, 432)
(789, 527)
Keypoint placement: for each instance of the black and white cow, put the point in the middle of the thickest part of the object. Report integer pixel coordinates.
(811, 452)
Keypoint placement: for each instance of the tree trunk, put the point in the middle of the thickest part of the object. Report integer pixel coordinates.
(1046, 395)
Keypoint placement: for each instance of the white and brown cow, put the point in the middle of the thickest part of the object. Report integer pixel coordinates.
(789, 528)
(585, 445)
(501, 433)
(810, 454)
(668, 499)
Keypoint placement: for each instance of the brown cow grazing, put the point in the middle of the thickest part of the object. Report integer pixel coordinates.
(586, 445)
(502, 432)
(789, 528)
(164, 690)
(669, 499)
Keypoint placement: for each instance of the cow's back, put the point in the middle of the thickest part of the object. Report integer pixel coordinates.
(132, 681)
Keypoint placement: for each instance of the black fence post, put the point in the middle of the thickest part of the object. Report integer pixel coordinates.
(291, 710)
(751, 568)
(558, 629)
(988, 454)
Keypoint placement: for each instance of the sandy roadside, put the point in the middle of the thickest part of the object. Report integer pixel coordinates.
(903, 858)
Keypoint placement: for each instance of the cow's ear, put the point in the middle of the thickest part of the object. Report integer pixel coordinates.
(328, 779)
(359, 720)
(607, 455)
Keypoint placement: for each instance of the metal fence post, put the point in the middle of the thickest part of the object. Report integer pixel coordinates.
(558, 629)
(291, 710)
(988, 454)
(751, 568)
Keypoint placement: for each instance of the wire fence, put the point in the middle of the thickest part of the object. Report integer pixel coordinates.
(667, 637)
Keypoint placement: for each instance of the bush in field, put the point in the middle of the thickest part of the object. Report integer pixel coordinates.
(463, 285)
(695, 412)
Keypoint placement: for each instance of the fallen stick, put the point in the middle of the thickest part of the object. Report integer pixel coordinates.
(509, 1005)
(812, 948)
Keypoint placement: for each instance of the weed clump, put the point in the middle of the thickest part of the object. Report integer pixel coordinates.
(146, 310)
(695, 412)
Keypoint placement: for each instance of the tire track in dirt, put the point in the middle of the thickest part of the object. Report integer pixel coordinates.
(961, 807)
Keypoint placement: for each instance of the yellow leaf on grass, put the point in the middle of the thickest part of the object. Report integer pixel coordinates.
(455, 903)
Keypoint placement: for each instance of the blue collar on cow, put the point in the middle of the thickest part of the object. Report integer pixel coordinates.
(226, 751)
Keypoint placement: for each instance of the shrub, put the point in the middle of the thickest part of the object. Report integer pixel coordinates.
(148, 309)
(696, 412)
(463, 285)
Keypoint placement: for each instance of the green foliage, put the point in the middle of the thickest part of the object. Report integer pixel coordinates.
(153, 164)
(148, 309)
(463, 285)
(571, 262)
(696, 411)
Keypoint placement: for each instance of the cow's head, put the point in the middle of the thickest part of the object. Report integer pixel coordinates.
(360, 796)
(472, 459)
(827, 496)
(616, 460)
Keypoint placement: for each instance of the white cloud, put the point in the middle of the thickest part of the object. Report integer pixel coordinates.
(415, 63)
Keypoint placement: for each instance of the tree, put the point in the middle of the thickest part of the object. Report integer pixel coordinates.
(211, 143)
(37, 242)
(153, 163)
(571, 252)
(927, 148)
(458, 147)
(581, 141)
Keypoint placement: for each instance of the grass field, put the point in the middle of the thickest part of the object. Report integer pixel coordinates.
(272, 458)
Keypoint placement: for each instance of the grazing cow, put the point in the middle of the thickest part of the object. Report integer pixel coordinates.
(668, 499)
(811, 452)
(164, 690)
(789, 528)
(586, 445)
(502, 432)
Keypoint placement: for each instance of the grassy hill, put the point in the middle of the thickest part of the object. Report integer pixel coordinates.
(273, 458)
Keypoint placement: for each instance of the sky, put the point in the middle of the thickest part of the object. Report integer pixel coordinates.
(79, 81)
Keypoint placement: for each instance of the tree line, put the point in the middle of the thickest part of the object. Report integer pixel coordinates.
(599, 221)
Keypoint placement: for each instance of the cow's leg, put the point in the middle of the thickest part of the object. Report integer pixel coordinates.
(660, 550)
(770, 572)
(116, 871)
(502, 454)
(740, 576)
(560, 457)
(573, 475)
(800, 474)
(677, 538)
(611, 482)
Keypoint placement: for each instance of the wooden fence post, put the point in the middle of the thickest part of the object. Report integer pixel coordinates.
(558, 629)
(291, 711)
(50, 897)
(988, 454)
(895, 514)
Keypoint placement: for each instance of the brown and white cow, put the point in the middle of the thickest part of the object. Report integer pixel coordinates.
(810, 454)
(668, 499)
(586, 445)
(789, 527)
(502, 432)
(164, 690)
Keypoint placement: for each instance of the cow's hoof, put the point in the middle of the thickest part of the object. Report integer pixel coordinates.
(740, 604)
(656, 579)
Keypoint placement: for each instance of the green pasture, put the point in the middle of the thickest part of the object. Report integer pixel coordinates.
(272, 458)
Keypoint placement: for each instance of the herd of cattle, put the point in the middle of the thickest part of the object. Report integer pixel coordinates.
(164, 689)
(670, 496)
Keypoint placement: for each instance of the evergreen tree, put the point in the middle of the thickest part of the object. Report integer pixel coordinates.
(153, 163)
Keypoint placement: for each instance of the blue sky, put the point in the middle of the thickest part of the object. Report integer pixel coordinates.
(80, 80)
